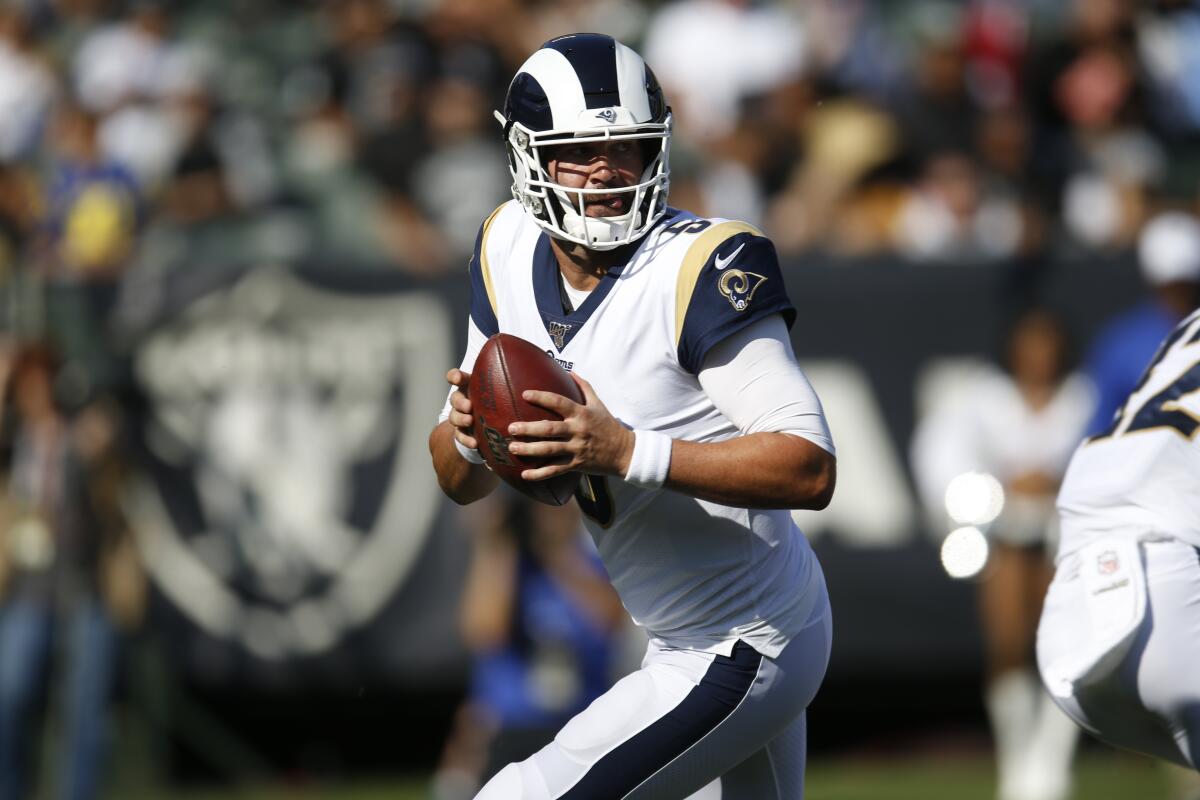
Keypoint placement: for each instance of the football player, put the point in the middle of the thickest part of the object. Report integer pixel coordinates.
(1119, 640)
(698, 434)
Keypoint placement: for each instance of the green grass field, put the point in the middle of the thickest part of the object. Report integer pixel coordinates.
(1100, 775)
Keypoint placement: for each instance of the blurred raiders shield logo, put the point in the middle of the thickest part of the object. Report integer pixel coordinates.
(291, 491)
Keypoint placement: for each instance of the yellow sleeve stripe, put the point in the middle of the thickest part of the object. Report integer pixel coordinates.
(694, 260)
(484, 268)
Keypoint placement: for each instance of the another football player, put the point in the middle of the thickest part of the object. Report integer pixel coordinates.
(1119, 641)
(698, 434)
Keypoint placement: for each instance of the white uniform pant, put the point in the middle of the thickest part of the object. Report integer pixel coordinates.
(1150, 701)
(680, 722)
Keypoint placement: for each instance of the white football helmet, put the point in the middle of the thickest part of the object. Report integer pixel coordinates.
(586, 87)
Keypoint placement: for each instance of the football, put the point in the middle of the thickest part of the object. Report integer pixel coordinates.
(507, 366)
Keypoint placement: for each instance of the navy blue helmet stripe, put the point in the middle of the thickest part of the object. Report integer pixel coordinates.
(723, 687)
(654, 93)
(528, 104)
(593, 57)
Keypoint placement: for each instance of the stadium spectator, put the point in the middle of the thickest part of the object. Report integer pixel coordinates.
(852, 48)
(1096, 157)
(27, 86)
(121, 62)
(20, 196)
(840, 196)
(621, 19)
(68, 576)
(1004, 145)
(1168, 40)
(934, 109)
(704, 68)
(460, 178)
(94, 204)
(949, 218)
(1019, 425)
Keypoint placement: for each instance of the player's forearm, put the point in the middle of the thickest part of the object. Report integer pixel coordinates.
(761, 470)
(462, 481)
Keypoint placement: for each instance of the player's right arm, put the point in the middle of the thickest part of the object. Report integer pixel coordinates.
(451, 445)
(460, 469)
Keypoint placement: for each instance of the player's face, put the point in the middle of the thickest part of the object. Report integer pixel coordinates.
(598, 165)
(1036, 351)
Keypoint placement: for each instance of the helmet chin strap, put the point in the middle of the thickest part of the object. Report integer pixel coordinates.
(603, 233)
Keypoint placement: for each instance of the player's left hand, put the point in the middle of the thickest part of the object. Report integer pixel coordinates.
(587, 439)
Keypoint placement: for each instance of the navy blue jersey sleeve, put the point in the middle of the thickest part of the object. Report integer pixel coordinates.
(483, 297)
(736, 281)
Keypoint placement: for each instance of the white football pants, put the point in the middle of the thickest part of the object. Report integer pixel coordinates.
(1150, 701)
(680, 722)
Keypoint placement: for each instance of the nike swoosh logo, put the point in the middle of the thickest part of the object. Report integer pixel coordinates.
(722, 263)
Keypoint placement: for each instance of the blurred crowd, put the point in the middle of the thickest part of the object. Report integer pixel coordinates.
(141, 135)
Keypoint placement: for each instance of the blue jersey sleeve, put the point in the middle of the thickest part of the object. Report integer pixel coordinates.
(483, 297)
(735, 280)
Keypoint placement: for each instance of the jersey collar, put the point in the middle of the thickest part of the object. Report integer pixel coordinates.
(546, 277)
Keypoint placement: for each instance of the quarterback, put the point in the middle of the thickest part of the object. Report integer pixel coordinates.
(697, 435)
(1119, 641)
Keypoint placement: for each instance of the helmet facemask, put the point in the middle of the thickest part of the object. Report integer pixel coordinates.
(561, 211)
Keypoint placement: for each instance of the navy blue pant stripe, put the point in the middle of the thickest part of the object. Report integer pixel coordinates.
(723, 687)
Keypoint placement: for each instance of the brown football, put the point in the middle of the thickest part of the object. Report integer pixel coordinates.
(507, 366)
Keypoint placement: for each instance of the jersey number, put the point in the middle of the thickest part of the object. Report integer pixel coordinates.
(1176, 407)
(687, 226)
(594, 499)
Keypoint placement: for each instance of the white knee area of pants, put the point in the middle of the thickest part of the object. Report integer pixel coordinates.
(636, 701)
(507, 784)
(711, 791)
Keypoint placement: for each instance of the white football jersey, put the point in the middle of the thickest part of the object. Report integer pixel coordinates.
(1142, 474)
(695, 574)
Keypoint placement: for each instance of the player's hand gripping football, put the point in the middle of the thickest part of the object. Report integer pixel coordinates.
(460, 408)
(587, 439)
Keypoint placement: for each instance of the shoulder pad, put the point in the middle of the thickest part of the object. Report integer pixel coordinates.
(729, 277)
(483, 295)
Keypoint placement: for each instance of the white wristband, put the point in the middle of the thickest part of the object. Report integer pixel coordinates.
(651, 459)
(470, 455)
